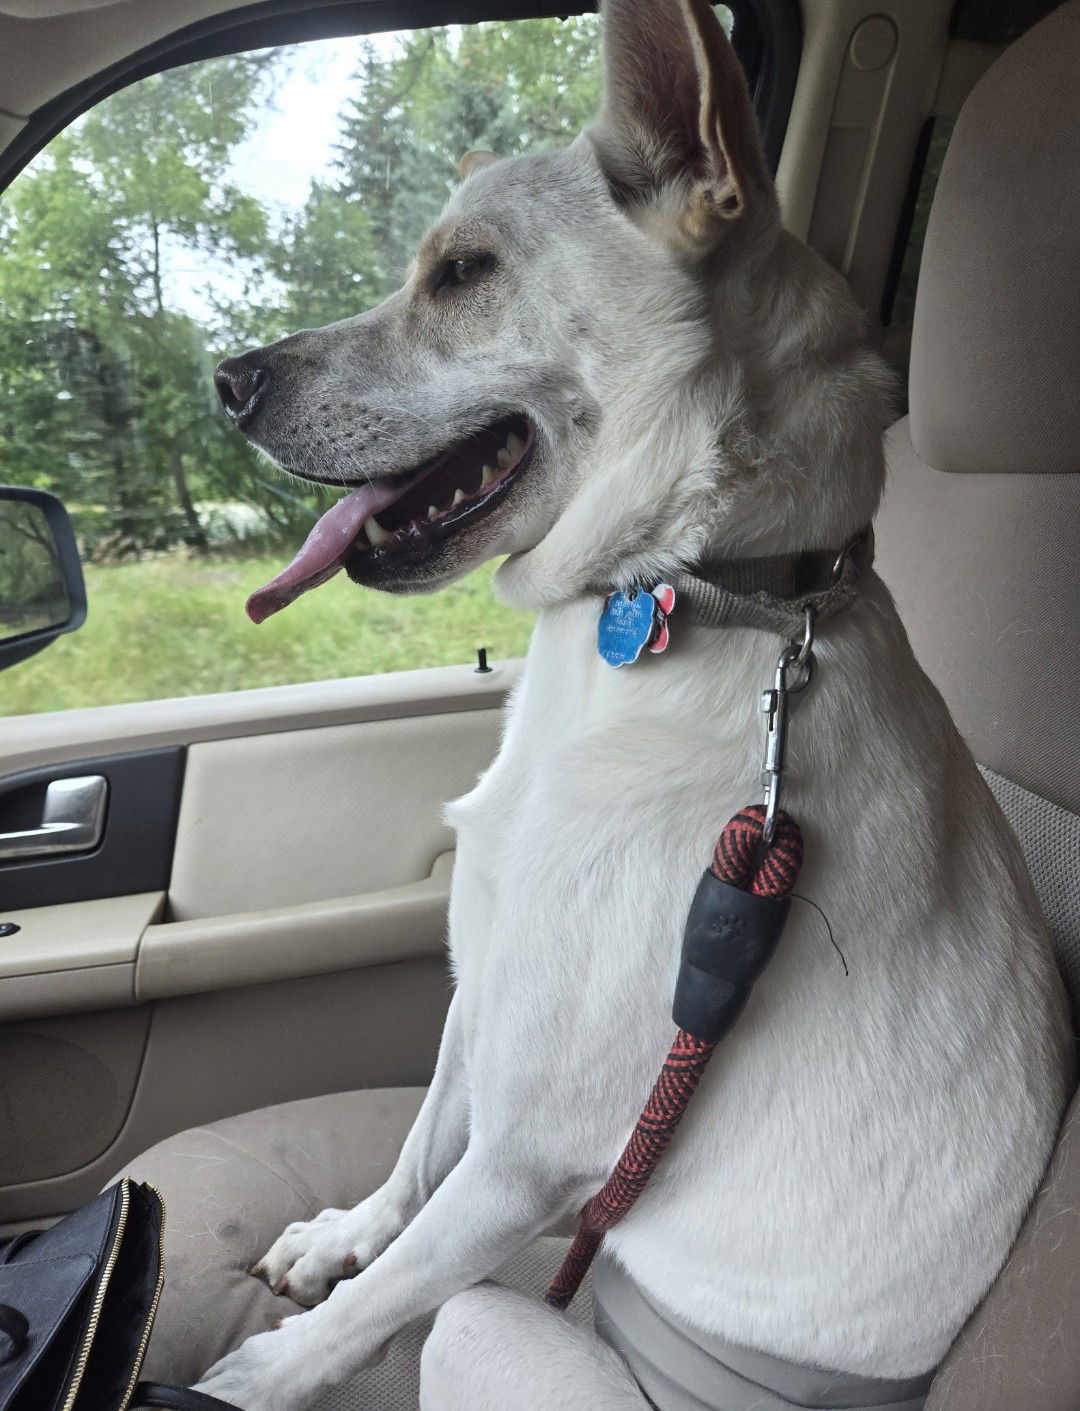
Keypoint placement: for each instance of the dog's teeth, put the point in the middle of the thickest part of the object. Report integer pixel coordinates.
(459, 495)
(375, 532)
(432, 512)
(506, 460)
(487, 475)
(515, 445)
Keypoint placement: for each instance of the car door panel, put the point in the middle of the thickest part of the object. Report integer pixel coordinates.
(296, 945)
(204, 1057)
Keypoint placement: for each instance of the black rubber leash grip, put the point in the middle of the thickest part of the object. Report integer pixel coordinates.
(730, 937)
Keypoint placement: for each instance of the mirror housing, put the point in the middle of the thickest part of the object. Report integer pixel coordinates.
(42, 593)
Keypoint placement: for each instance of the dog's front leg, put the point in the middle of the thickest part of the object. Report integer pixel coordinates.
(491, 1205)
(309, 1258)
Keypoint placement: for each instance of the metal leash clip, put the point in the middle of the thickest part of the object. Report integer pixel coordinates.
(794, 668)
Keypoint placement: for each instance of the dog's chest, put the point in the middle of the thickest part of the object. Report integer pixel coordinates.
(579, 849)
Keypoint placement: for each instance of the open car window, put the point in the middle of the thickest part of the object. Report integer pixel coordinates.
(202, 210)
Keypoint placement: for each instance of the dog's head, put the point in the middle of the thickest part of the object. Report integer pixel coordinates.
(594, 362)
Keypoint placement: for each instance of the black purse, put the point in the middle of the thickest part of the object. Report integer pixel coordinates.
(77, 1303)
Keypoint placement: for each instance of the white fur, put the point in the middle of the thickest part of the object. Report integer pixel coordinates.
(853, 1171)
(493, 1348)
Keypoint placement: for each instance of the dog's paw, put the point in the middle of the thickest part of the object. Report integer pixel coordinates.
(311, 1256)
(270, 1370)
(295, 1241)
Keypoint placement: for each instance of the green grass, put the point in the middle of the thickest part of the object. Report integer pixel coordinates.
(175, 626)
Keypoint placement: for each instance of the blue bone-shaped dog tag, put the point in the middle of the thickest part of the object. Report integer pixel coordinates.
(632, 620)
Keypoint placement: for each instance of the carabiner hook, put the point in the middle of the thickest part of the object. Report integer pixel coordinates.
(798, 660)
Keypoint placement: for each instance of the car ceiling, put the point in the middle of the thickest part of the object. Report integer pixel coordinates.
(48, 46)
(42, 9)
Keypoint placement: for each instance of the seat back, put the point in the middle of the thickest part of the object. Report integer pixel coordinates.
(979, 534)
(979, 539)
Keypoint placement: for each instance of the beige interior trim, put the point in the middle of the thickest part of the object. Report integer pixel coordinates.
(75, 957)
(866, 150)
(10, 127)
(53, 53)
(46, 9)
(73, 935)
(399, 923)
(33, 741)
(58, 992)
(87, 956)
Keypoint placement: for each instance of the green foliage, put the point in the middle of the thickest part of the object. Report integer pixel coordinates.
(106, 397)
(507, 88)
(326, 260)
(174, 625)
(160, 153)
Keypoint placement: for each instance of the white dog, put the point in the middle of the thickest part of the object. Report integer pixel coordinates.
(611, 363)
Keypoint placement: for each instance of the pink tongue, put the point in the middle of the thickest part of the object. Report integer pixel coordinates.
(325, 548)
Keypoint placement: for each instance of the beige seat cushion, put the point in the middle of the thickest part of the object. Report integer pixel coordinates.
(230, 1188)
(1021, 1349)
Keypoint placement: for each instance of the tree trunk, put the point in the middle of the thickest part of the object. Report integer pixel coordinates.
(155, 273)
(116, 416)
(196, 535)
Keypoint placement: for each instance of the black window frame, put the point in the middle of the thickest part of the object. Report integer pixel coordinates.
(768, 40)
(997, 21)
(905, 224)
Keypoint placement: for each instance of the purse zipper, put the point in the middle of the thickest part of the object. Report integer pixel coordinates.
(126, 1398)
(99, 1300)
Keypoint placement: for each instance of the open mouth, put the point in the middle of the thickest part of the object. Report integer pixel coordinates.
(406, 515)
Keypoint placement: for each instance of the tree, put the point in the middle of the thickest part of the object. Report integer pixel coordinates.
(509, 88)
(326, 259)
(161, 151)
(97, 367)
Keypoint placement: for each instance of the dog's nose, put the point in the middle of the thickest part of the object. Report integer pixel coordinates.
(239, 383)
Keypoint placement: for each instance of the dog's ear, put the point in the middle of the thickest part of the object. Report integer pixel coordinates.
(474, 161)
(677, 121)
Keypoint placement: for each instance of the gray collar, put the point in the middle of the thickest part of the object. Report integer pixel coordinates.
(773, 593)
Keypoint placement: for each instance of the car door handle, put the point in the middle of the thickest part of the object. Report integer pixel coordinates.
(73, 820)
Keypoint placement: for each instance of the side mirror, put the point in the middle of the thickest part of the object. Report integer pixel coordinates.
(42, 593)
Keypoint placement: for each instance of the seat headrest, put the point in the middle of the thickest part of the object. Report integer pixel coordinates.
(995, 360)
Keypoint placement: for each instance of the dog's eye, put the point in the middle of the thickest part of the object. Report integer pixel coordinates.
(453, 273)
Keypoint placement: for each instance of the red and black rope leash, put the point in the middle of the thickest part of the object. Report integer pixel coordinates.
(732, 931)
